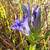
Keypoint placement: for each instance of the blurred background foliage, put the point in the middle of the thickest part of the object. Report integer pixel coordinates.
(13, 39)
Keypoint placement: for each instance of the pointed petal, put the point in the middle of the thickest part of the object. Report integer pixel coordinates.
(14, 27)
(18, 21)
(33, 11)
(24, 17)
(38, 12)
(37, 19)
(24, 9)
(28, 8)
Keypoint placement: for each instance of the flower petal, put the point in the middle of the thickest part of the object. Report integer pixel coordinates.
(38, 18)
(37, 21)
(28, 8)
(18, 22)
(38, 12)
(20, 29)
(24, 9)
(14, 27)
(33, 11)
(26, 26)
(24, 17)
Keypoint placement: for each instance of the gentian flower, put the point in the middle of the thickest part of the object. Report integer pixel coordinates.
(37, 17)
(23, 26)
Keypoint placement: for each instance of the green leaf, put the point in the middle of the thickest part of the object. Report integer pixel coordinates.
(25, 45)
(14, 41)
(44, 36)
(30, 47)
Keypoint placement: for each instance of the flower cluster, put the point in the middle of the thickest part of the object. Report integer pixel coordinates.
(24, 26)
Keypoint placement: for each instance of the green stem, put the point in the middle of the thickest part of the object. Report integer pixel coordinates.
(32, 47)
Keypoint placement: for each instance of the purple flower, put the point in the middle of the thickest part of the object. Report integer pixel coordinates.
(37, 17)
(23, 26)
